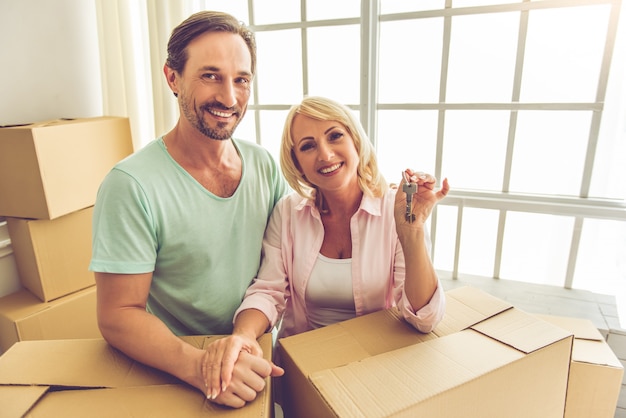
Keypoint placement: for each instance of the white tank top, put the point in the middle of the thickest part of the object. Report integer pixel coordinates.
(329, 296)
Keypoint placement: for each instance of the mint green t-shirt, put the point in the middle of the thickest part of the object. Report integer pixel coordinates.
(152, 216)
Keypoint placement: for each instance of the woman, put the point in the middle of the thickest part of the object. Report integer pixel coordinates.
(341, 245)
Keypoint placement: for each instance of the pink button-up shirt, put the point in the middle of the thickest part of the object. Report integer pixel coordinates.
(292, 242)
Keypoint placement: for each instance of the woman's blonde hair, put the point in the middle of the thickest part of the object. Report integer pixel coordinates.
(370, 179)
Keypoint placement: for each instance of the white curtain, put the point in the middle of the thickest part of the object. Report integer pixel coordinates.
(133, 38)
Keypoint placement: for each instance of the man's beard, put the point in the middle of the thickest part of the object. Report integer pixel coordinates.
(220, 132)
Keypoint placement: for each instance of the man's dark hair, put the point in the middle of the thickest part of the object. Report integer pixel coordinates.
(198, 24)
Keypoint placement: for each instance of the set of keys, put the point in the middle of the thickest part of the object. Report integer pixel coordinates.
(410, 189)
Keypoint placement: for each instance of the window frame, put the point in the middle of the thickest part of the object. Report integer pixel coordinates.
(579, 207)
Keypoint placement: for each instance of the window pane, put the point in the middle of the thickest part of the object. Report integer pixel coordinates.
(601, 261)
(410, 71)
(482, 58)
(406, 139)
(332, 9)
(246, 129)
(563, 56)
(536, 248)
(609, 176)
(278, 69)
(550, 148)
(395, 6)
(275, 11)
(475, 148)
(446, 237)
(609, 170)
(272, 122)
(564, 50)
(478, 241)
(334, 62)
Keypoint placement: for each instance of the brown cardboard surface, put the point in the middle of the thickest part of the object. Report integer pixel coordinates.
(90, 378)
(52, 168)
(17, 400)
(581, 328)
(52, 256)
(164, 401)
(520, 330)
(23, 317)
(470, 366)
(64, 363)
(483, 360)
(467, 306)
(142, 401)
(382, 331)
(595, 378)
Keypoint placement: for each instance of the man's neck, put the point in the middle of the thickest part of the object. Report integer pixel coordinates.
(192, 149)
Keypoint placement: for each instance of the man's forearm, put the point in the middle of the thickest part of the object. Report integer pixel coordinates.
(146, 339)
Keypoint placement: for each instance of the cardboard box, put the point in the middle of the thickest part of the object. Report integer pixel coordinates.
(595, 377)
(24, 317)
(485, 359)
(52, 256)
(53, 168)
(89, 378)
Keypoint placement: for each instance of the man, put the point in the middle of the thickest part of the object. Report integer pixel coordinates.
(178, 225)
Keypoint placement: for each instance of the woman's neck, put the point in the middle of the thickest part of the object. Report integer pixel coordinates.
(341, 204)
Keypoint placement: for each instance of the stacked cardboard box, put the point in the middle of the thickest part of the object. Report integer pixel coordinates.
(89, 378)
(23, 317)
(50, 173)
(52, 256)
(53, 168)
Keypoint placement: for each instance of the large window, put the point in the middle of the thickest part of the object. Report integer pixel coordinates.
(520, 104)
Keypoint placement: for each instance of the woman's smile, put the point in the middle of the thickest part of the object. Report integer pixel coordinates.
(330, 169)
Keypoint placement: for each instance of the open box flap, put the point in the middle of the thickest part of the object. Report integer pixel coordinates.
(581, 328)
(89, 378)
(595, 352)
(75, 363)
(466, 306)
(521, 330)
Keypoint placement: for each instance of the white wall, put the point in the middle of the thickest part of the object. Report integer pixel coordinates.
(50, 60)
(50, 69)
(9, 280)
